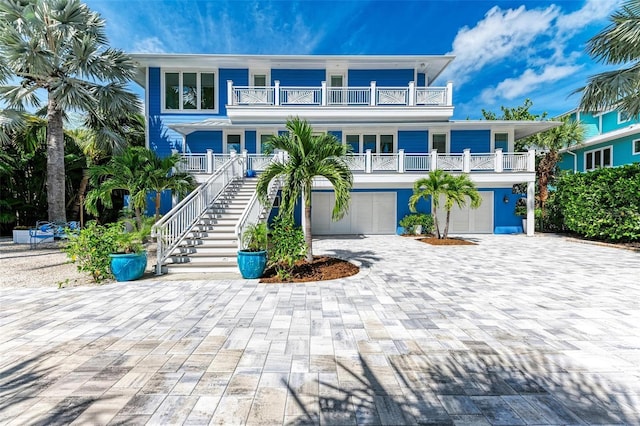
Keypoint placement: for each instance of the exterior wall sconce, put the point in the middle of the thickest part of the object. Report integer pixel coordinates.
(505, 199)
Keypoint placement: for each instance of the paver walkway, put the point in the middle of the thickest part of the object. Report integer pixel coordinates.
(512, 331)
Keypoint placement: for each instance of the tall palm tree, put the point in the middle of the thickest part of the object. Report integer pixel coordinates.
(553, 140)
(309, 156)
(457, 190)
(60, 46)
(430, 187)
(617, 44)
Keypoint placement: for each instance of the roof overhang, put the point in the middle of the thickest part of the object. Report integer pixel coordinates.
(606, 137)
(521, 129)
(431, 65)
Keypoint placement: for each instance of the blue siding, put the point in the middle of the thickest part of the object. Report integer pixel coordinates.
(397, 78)
(250, 141)
(298, 77)
(416, 141)
(478, 141)
(199, 142)
(622, 153)
(240, 77)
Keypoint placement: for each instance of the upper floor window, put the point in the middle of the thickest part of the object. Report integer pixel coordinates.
(376, 143)
(623, 117)
(636, 146)
(439, 142)
(501, 140)
(598, 158)
(260, 80)
(184, 91)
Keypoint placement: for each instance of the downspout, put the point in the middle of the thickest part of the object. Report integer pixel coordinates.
(575, 161)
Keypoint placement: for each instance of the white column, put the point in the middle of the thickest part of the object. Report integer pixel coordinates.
(466, 160)
(276, 94)
(401, 161)
(245, 162)
(449, 93)
(209, 161)
(373, 93)
(531, 160)
(434, 160)
(323, 93)
(234, 166)
(230, 100)
(412, 93)
(367, 161)
(498, 166)
(531, 217)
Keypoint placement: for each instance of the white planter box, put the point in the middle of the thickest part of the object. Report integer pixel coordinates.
(21, 236)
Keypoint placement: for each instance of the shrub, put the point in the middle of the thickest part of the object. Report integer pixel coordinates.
(602, 204)
(90, 248)
(411, 221)
(287, 245)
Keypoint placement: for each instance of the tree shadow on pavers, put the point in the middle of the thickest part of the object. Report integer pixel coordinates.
(362, 258)
(470, 387)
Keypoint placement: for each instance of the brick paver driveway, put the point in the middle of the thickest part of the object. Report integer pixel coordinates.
(511, 331)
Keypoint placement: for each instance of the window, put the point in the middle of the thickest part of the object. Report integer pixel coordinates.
(260, 80)
(369, 142)
(636, 146)
(501, 141)
(439, 142)
(598, 158)
(186, 91)
(265, 140)
(386, 144)
(354, 142)
(623, 117)
(234, 143)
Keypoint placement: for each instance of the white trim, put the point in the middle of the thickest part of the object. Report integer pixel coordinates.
(605, 137)
(620, 120)
(633, 147)
(227, 133)
(510, 141)
(146, 109)
(260, 71)
(263, 132)
(198, 72)
(593, 151)
(377, 132)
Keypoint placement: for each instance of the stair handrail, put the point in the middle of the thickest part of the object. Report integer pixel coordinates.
(174, 226)
(256, 212)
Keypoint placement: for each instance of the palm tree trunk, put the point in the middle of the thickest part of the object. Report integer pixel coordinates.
(82, 191)
(306, 199)
(435, 222)
(55, 163)
(157, 200)
(445, 234)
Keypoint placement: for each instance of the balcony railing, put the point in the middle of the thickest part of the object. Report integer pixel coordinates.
(340, 96)
(400, 162)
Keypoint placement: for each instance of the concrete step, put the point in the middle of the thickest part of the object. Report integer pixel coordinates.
(227, 250)
(187, 269)
(207, 235)
(210, 260)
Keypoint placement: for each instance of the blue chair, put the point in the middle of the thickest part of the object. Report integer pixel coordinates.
(43, 231)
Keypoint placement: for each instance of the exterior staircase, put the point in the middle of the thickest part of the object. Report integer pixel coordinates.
(212, 244)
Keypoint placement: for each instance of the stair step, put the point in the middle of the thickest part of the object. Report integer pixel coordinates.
(217, 251)
(201, 268)
(207, 260)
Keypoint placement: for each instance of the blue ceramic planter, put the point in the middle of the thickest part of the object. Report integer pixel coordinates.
(129, 266)
(252, 263)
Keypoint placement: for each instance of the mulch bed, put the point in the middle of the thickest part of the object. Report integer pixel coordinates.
(451, 241)
(321, 269)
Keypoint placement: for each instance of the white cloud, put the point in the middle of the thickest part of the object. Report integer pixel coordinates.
(593, 10)
(528, 81)
(149, 45)
(498, 36)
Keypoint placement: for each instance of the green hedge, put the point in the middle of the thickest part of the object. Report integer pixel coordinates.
(603, 204)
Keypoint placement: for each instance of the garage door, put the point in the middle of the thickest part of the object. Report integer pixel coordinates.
(467, 220)
(369, 213)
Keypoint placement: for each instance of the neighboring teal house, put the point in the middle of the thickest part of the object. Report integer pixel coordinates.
(386, 108)
(611, 139)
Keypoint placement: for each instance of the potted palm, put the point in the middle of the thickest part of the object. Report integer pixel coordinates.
(129, 261)
(252, 258)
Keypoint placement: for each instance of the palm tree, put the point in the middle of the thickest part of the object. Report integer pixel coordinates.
(309, 156)
(137, 171)
(60, 46)
(457, 190)
(617, 44)
(552, 141)
(432, 186)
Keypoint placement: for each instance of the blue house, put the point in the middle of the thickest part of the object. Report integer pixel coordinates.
(612, 138)
(216, 108)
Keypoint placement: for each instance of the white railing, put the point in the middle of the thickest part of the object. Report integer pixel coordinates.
(334, 96)
(349, 96)
(417, 162)
(171, 230)
(300, 96)
(193, 163)
(402, 162)
(256, 212)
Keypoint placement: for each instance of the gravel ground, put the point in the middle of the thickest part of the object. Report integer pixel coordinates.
(46, 266)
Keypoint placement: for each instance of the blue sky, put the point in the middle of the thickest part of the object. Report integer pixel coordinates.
(506, 51)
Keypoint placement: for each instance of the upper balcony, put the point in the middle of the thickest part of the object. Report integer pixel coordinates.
(339, 104)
